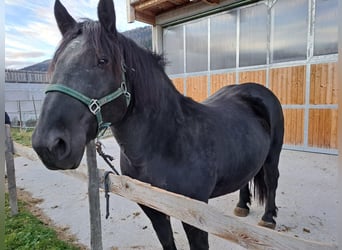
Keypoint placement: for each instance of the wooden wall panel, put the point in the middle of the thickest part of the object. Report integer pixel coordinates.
(322, 128)
(288, 84)
(294, 126)
(179, 84)
(258, 76)
(323, 84)
(220, 80)
(197, 87)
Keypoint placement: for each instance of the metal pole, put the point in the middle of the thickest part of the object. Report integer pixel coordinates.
(20, 115)
(35, 109)
(94, 198)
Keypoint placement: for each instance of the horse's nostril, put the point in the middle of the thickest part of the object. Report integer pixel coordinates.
(59, 148)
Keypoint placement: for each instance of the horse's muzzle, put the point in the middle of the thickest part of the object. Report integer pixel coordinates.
(55, 152)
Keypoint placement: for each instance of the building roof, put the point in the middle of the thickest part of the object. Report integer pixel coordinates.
(147, 10)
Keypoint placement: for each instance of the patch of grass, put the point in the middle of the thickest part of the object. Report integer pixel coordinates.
(25, 232)
(22, 137)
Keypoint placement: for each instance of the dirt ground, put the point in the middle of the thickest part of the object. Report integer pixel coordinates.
(307, 198)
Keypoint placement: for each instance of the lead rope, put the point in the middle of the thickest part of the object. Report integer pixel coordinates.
(107, 159)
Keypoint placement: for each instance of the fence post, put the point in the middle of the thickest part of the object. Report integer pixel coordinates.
(20, 116)
(35, 108)
(94, 199)
(12, 187)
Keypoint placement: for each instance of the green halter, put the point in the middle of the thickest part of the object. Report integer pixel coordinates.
(94, 105)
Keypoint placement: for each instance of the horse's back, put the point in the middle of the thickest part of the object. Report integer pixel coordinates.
(256, 97)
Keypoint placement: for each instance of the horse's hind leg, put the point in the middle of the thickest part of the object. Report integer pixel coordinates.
(242, 209)
(198, 239)
(162, 226)
(271, 175)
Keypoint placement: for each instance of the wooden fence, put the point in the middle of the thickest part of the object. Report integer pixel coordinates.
(10, 172)
(193, 212)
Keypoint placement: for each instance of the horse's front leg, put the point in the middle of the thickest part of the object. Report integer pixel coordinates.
(162, 226)
(198, 239)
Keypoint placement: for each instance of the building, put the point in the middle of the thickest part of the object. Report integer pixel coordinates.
(290, 46)
(24, 94)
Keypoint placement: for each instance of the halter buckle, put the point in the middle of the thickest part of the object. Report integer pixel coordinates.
(125, 92)
(94, 106)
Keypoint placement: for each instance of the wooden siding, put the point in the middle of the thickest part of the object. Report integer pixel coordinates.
(294, 126)
(197, 87)
(323, 84)
(258, 76)
(322, 128)
(179, 84)
(288, 84)
(220, 80)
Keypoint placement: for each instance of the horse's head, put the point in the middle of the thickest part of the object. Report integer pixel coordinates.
(86, 91)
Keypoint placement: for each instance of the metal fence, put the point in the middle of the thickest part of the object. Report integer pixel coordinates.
(23, 76)
(24, 114)
(23, 102)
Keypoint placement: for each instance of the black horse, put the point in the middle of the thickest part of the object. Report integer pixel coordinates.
(201, 150)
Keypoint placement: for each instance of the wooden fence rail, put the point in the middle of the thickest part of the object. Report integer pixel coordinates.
(206, 217)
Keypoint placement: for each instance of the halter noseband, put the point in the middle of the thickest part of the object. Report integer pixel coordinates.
(94, 105)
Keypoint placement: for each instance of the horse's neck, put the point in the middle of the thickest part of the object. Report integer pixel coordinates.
(143, 124)
(156, 104)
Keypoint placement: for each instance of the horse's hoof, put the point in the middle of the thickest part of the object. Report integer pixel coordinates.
(270, 225)
(241, 212)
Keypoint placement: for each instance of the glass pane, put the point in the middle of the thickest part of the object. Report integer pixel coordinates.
(197, 46)
(223, 41)
(326, 27)
(253, 35)
(290, 20)
(173, 46)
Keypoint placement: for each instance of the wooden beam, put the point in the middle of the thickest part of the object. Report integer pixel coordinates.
(146, 18)
(148, 4)
(12, 186)
(177, 2)
(206, 217)
(130, 13)
(211, 2)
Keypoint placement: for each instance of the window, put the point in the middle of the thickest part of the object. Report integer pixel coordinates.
(173, 44)
(253, 35)
(223, 41)
(197, 46)
(278, 29)
(289, 30)
(326, 27)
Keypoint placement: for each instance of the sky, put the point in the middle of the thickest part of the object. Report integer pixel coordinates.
(31, 33)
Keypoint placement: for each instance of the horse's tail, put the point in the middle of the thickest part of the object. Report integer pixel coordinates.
(260, 191)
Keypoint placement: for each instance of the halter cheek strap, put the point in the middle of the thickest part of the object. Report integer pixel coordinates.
(94, 105)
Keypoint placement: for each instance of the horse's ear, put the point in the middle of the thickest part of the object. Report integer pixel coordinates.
(106, 14)
(64, 20)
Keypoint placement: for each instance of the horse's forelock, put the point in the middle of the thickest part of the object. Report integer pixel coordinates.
(96, 37)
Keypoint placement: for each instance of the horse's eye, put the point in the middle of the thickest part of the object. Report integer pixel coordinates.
(102, 62)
